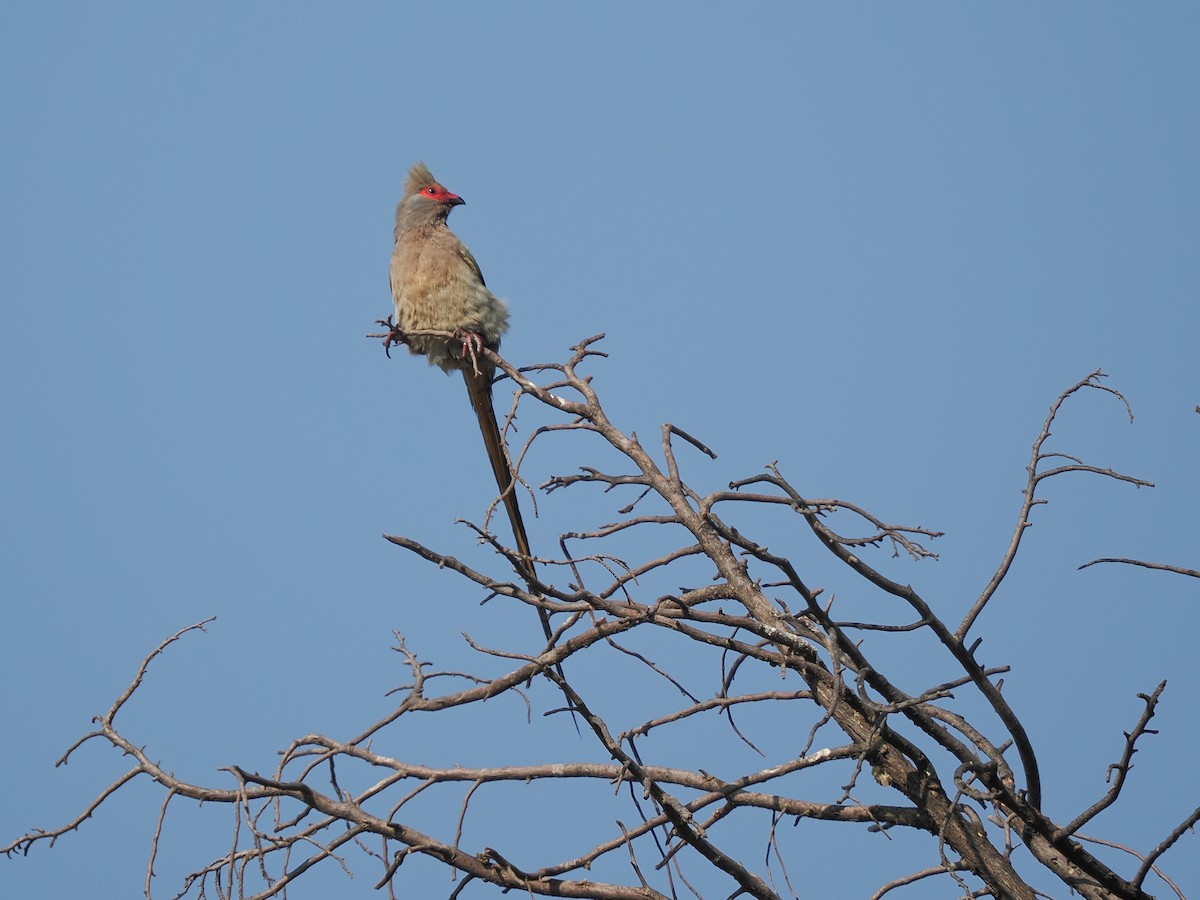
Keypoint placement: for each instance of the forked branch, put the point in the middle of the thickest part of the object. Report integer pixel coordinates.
(676, 594)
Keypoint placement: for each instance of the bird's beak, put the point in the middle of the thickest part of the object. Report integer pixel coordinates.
(454, 199)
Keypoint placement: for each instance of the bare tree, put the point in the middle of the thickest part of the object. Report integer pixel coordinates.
(681, 566)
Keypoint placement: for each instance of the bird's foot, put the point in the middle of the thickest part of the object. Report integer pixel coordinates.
(472, 346)
(394, 335)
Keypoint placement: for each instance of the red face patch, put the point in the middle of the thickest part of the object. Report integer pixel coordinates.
(439, 194)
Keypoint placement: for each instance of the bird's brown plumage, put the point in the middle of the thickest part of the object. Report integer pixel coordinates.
(437, 286)
(436, 283)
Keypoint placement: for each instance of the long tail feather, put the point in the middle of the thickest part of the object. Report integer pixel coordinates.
(479, 389)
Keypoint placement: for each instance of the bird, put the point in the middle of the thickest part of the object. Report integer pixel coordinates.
(437, 286)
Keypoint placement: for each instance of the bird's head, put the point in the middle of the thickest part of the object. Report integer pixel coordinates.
(423, 189)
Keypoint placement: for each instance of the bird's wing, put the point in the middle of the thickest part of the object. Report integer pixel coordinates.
(467, 258)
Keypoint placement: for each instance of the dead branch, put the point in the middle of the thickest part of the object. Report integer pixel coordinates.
(740, 619)
(1164, 567)
(1118, 771)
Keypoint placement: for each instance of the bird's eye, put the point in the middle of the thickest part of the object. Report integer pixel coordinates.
(430, 191)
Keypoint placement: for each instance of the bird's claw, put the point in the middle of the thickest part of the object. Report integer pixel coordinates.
(394, 335)
(472, 346)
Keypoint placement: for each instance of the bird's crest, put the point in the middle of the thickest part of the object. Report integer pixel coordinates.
(419, 178)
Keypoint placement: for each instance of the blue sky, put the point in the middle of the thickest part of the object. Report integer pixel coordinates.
(871, 241)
